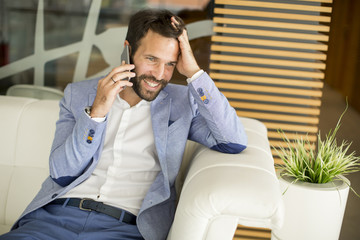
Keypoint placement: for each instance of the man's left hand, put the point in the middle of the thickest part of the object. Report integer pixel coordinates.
(186, 64)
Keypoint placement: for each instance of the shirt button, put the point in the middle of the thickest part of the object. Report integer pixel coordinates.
(54, 195)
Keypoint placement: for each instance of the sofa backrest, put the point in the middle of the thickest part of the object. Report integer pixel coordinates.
(27, 131)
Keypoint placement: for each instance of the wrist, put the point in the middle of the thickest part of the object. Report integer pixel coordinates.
(95, 113)
(192, 72)
(195, 76)
(95, 117)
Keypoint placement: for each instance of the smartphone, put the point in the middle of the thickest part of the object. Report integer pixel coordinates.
(125, 56)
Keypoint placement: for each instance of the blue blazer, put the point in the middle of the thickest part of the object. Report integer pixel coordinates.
(198, 112)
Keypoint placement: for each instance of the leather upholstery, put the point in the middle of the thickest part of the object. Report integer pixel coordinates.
(218, 192)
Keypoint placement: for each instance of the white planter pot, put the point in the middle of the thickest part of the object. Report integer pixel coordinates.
(312, 211)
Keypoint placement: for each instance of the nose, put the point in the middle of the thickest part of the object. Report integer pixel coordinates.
(159, 71)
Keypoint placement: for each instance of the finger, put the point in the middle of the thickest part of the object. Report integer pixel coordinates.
(174, 26)
(173, 21)
(122, 84)
(184, 35)
(121, 68)
(122, 75)
(184, 42)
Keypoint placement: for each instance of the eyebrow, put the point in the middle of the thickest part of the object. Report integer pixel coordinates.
(149, 55)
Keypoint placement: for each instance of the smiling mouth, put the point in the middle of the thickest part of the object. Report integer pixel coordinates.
(152, 84)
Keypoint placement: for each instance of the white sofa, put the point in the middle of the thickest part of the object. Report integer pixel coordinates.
(219, 191)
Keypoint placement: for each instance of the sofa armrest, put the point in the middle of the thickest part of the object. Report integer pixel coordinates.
(223, 190)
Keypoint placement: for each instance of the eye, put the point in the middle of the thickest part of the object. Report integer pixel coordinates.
(151, 59)
(171, 64)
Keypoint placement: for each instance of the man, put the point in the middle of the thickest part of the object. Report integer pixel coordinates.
(118, 144)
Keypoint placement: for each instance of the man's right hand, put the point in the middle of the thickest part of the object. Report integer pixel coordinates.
(109, 87)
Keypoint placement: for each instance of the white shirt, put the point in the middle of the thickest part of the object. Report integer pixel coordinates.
(129, 163)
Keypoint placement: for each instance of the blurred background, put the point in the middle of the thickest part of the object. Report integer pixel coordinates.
(65, 21)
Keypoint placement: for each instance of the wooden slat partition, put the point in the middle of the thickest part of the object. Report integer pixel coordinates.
(252, 234)
(268, 58)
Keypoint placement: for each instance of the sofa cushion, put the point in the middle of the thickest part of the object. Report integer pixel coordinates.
(27, 129)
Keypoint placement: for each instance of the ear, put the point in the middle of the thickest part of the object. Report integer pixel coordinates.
(127, 43)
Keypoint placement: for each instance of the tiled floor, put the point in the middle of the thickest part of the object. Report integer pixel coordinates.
(333, 104)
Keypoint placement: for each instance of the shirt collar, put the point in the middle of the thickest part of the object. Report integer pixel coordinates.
(125, 103)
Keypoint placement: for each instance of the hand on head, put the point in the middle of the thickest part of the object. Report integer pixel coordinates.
(187, 64)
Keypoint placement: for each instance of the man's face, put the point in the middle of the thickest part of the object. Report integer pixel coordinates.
(155, 61)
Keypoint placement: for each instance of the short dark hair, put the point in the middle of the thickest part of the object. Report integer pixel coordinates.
(158, 20)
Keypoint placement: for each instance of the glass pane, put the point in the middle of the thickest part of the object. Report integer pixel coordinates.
(18, 24)
(116, 13)
(96, 62)
(24, 77)
(64, 22)
(59, 72)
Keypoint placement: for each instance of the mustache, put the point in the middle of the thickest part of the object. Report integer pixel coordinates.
(150, 77)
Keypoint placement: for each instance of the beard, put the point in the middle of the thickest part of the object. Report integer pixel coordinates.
(142, 92)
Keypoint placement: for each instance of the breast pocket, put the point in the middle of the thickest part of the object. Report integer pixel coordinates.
(176, 125)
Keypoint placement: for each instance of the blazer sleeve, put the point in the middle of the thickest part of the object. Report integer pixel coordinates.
(77, 138)
(215, 123)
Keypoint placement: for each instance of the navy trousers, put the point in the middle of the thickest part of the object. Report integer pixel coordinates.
(56, 222)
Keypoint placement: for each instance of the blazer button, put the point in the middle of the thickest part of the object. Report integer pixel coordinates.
(92, 131)
(89, 141)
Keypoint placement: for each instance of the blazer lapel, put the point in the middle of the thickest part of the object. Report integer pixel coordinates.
(160, 115)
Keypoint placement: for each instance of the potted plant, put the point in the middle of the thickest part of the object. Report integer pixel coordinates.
(314, 188)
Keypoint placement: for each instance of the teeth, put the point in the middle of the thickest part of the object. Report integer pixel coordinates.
(152, 84)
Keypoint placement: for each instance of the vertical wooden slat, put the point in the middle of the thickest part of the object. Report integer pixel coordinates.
(268, 58)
